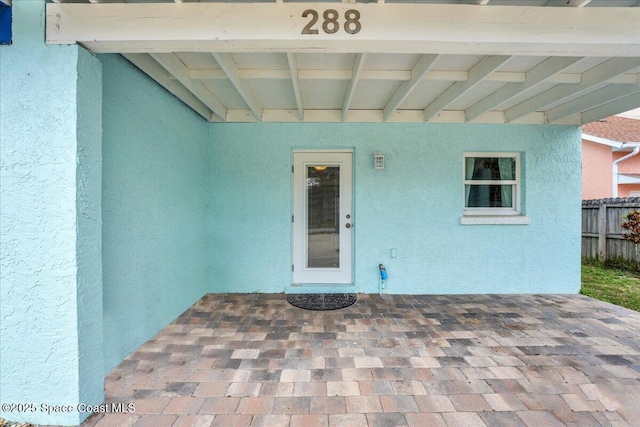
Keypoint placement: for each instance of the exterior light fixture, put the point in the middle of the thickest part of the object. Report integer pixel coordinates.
(378, 161)
(320, 167)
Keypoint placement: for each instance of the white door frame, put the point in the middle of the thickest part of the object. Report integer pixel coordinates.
(301, 274)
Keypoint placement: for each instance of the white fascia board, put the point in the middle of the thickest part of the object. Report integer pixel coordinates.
(603, 141)
(392, 27)
(616, 145)
(626, 149)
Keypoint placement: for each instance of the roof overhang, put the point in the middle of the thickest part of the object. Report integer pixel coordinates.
(408, 62)
(616, 145)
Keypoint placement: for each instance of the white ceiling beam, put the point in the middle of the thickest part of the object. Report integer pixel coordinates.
(396, 27)
(372, 116)
(173, 65)
(592, 79)
(353, 84)
(579, 3)
(477, 74)
(621, 105)
(591, 100)
(422, 67)
(538, 74)
(400, 75)
(231, 70)
(293, 71)
(157, 72)
(220, 75)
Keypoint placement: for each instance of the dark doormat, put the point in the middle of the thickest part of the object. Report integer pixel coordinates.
(321, 302)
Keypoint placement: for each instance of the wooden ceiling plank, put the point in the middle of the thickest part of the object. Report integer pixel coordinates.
(477, 74)
(374, 116)
(537, 75)
(591, 100)
(295, 81)
(353, 84)
(618, 106)
(592, 79)
(228, 65)
(422, 67)
(173, 65)
(400, 75)
(154, 70)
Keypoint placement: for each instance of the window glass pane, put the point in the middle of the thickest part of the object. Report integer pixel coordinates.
(490, 168)
(489, 196)
(323, 208)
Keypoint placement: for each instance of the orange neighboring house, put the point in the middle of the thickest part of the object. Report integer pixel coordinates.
(610, 158)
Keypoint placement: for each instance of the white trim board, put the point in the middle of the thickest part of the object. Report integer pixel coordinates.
(392, 27)
(609, 142)
(626, 179)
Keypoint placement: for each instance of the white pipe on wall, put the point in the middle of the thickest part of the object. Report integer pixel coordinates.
(615, 180)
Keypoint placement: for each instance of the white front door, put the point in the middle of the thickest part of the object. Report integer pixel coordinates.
(322, 217)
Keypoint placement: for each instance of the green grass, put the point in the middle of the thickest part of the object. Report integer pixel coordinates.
(614, 285)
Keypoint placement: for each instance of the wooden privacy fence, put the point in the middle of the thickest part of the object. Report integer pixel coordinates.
(601, 231)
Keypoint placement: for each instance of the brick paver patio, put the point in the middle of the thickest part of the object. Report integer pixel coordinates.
(455, 360)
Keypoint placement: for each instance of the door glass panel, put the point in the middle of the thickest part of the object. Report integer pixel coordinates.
(323, 216)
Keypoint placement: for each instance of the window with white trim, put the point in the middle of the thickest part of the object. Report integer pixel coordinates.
(492, 184)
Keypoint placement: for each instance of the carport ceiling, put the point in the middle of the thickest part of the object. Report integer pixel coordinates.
(453, 61)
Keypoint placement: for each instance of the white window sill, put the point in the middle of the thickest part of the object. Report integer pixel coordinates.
(495, 220)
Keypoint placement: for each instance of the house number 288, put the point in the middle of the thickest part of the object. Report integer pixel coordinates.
(330, 24)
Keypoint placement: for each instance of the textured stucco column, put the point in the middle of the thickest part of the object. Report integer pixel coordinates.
(51, 263)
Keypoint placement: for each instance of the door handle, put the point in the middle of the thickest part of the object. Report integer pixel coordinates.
(348, 225)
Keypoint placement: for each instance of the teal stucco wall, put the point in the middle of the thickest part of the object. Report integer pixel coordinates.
(154, 208)
(50, 267)
(413, 206)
